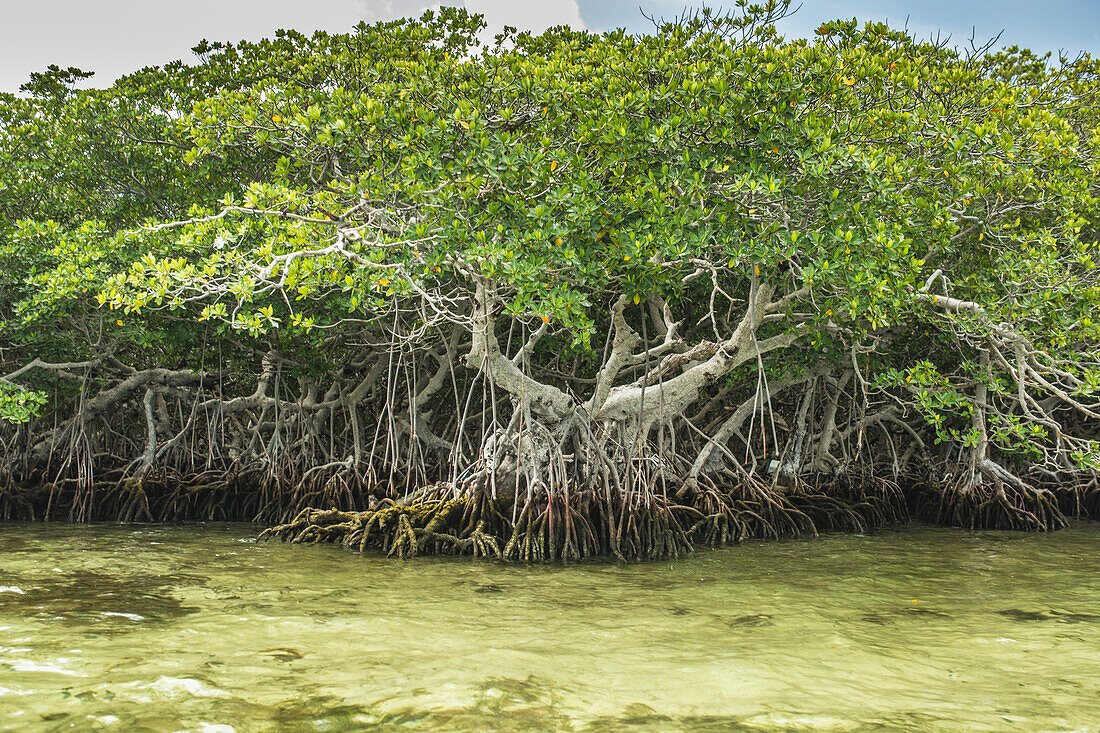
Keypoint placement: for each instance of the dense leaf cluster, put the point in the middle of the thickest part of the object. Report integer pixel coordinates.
(923, 205)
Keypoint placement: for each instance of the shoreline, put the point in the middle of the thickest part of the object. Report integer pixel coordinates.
(437, 520)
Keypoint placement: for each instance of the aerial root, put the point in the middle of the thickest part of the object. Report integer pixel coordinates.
(567, 526)
(753, 509)
(567, 521)
(400, 530)
(556, 529)
(850, 501)
(131, 500)
(16, 502)
(1078, 495)
(992, 498)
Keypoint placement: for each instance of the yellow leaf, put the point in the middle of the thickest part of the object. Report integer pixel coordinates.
(558, 241)
(981, 236)
(276, 118)
(756, 270)
(850, 81)
(637, 299)
(553, 165)
(119, 322)
(775, 150)
(465, 124)
(829, 312)
(626, 257)
(545, 319)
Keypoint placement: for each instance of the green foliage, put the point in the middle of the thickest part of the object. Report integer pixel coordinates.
(19, 405)
(321, 179)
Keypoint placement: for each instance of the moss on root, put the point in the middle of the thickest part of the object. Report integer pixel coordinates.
(565, 528)
(562, 525)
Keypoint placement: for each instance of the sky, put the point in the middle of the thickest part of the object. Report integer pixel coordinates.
(113, 37)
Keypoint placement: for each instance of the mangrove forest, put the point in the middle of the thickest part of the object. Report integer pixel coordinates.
(558, 296)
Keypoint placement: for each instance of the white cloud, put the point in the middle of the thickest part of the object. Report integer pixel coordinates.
(376, 10)
(532, 15)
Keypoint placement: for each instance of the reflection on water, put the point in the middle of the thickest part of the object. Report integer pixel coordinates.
(199, 628)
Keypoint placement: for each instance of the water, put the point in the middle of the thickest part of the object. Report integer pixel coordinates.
(201, 628)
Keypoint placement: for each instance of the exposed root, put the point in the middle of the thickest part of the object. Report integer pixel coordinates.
(750, 509)
(563, 526)
(567, 522)
(400, 530)
(850, 501)
(1078, 495)
(16, 503)
(132, 501)
(992, 498)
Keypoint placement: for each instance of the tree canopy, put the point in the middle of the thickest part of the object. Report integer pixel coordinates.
(879, 253)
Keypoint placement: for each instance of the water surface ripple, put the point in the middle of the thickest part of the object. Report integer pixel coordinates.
(199, 628)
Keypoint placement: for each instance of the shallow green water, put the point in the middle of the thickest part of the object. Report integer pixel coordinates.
(191, 628)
